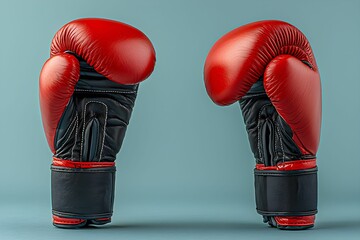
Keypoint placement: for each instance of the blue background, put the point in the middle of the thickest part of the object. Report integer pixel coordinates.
(185, 168)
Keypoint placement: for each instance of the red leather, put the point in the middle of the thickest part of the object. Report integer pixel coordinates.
(295, 91)
(72, 221)
(290, 165)
(58, 78)
(295, 221)
(272, 49)
(239, 58)
(278, 52)
(73, 164)
(118, 51)
(67, 221)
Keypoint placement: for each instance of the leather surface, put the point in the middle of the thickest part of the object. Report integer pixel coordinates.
(269, 67)
(295, 91)
(94, 123)
(269, 136)
(239, 58)
(88, 89)
(82, 193)
(116, 50)
(58, 79)
(299, 199)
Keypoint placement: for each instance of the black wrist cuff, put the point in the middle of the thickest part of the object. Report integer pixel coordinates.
(85, 193)
(286, 193)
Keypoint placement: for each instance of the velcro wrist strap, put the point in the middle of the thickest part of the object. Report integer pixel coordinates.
(86, 193)
(286, 193)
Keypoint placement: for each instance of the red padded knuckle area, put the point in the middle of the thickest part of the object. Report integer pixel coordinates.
(116, 50)
(293, 87)
(59, 75)
(239, 58)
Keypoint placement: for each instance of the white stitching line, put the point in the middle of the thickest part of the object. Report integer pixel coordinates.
(82, 134)
(71, 126)
(104, 130)
(76, 133)
(103, 91)
(258, 142)
(281, 141)
(258, 127)
(83, 130)
(275, 141)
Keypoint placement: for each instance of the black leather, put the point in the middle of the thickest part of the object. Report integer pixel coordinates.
(286, 193)
(94, 123)
(269, 136)
(91, 129)
(82, 193)
(271, 142)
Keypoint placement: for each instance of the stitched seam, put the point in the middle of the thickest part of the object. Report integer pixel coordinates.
(103, 141)
(275, 141)
(295, 224)
(286, 174)
(98, 133)
(76, 134)
(281, 142)
(77, 162)
(258, 127)
(82, 133)
(83, 130)
(69, 221)
(310, 212)
(106, 91)
(100, 215)
(103, 91)
(110, 170)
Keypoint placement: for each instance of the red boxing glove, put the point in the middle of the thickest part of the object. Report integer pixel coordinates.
(269, 67)
(87, 92)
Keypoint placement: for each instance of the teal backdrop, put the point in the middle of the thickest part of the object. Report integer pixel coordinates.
(185, 170)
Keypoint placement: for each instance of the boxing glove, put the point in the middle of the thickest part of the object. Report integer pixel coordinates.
(88, 87)
(269, 67)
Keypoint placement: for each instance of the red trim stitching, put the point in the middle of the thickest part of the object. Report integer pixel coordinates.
(74, 164)
(290, 165)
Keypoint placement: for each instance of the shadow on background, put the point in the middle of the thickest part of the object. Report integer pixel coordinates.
(339, 225)
(189, 225)
(228, 226)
